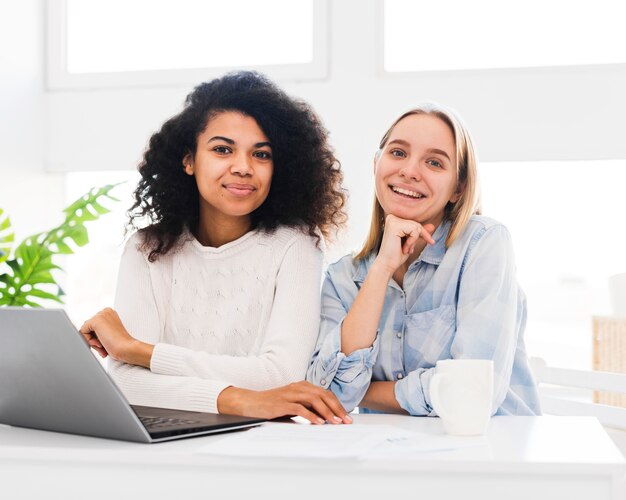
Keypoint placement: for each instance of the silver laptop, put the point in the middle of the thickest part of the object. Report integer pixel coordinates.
(50, 380)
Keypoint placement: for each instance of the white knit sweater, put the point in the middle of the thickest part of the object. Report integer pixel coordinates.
(244, 314)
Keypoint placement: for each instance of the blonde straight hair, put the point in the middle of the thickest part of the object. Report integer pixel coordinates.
(468, 204)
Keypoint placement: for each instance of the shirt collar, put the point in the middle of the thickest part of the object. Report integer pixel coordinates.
(432, 254)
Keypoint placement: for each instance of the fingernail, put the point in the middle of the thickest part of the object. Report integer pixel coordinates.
(320, 421)
(348, 418)
(337, 419)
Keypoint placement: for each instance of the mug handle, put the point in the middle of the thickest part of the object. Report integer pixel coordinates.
(435, 383)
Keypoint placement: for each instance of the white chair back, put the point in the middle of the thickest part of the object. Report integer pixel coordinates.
(554, 402)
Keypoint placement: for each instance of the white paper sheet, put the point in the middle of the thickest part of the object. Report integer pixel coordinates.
(333, 441)
(417, 444)
(298, 440)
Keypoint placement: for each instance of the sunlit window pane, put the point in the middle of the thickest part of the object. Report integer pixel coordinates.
(457, 34)
(137, 35)
(567, 233)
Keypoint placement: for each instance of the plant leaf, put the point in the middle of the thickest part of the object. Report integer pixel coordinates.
(84, 215)
(43, 277)
(30, 269)
(99, 208)
(30, 253)
(6, 237)
(89, 199)
(78, 234)
(35, 292)
(23, 301)
(61, 247)
(32, 266)
(85, 209)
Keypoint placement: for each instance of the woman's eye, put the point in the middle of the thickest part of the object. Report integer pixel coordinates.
(398, 153)
(435, 163)
(222, 150)
(263, 155)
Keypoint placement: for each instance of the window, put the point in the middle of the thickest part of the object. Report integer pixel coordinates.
(161, 42)
(461, 35)
(568, 241)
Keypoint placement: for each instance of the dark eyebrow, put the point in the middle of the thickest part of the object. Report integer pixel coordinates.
(220, 138)
(230, 141)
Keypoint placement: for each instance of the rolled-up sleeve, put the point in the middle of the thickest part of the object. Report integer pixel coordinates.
(348, 377)
(411, 393)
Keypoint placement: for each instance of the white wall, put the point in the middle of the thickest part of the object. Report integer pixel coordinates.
(526, 114)
(21, 85)
(30, 195)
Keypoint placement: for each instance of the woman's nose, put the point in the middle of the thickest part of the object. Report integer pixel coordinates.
(411, 170)
(241, 165)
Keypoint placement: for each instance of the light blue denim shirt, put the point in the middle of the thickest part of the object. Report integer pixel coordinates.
(460, 302)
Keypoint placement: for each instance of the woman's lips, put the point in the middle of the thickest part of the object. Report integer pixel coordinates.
(410, 194)
(240, 190)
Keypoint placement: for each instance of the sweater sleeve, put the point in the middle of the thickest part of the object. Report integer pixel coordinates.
(289, 338)
(136, 305)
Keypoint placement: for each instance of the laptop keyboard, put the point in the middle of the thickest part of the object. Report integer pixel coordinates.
(158, 422)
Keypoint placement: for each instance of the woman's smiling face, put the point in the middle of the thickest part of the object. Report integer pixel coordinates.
(415, 172)
(232, 165)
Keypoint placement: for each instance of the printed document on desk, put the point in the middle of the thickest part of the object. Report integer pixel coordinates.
(328, 441)
(417, 444)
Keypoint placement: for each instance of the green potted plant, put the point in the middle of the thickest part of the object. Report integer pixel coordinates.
(26, 277)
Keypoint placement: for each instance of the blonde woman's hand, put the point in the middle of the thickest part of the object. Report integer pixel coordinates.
(105, 333)
(399, 239)
(309, 401)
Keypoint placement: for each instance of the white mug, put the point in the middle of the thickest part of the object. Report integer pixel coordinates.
(461, 391)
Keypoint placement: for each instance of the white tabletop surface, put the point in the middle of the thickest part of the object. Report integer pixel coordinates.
(519, 456)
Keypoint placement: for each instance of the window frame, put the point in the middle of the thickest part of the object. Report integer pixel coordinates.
(58, 78)
(385, 74)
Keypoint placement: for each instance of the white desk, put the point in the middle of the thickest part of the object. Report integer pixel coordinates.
(529, 458)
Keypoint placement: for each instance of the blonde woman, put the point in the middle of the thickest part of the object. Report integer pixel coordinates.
(434, 280)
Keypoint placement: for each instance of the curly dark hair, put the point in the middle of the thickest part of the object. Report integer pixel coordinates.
(306, 182)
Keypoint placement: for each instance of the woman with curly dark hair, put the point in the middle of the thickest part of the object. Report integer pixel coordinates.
(217, 304)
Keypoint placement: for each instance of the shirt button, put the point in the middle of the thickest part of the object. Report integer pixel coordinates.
(400, 376)
(323, 381)
(399, 335)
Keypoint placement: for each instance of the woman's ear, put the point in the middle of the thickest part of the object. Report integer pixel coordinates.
(460, 189)
(187, 164)
(376, 157)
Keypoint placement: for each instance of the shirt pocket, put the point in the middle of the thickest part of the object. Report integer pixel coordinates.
(429, 335)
